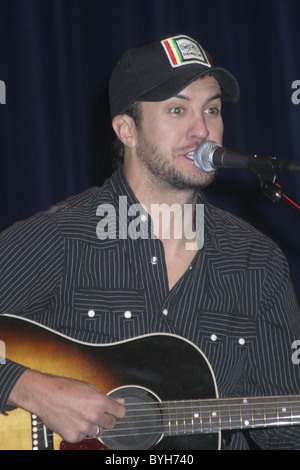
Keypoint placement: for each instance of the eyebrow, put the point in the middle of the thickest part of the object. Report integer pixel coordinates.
(186, 98)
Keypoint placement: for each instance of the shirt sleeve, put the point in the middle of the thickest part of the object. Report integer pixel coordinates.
(274, 372)
(31, 261)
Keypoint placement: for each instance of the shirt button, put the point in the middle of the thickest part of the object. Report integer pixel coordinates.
(214, 337)
(165, 311)
(154, 260)
(127, 314)
(242, 341)
(144, 218)
(91, 313)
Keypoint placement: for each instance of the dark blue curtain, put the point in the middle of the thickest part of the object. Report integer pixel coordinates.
(55, 60)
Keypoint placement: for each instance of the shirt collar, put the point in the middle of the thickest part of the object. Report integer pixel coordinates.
(121, 187)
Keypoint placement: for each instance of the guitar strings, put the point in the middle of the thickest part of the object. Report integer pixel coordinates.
(121, 433)
(182, 429)
(217, 404)
(181, 420)
(194, 415)
(161, 430)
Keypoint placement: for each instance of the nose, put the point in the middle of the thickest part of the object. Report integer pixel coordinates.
(198, 128)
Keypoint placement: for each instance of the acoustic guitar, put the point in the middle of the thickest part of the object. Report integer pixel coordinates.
(169, 387)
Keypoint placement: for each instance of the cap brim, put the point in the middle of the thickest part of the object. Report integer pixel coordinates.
(165, 90)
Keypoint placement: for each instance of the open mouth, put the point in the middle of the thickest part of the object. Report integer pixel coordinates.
(190, 155)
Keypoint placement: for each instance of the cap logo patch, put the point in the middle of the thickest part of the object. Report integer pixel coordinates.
(182, 50)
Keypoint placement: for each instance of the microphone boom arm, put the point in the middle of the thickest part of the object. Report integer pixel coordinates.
(274, 192)
(266, 171)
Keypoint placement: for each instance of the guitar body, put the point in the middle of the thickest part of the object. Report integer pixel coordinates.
(158, 366)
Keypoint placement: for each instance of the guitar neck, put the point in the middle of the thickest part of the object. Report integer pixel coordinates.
(213, 415)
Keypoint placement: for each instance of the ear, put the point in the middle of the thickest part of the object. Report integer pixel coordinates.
(125, 129)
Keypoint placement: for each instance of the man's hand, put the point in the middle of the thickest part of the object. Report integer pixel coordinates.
(73, 409)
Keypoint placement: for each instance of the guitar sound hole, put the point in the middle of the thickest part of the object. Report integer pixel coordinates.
(142, 426)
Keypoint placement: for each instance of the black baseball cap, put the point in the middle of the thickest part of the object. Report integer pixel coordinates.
(162, 69)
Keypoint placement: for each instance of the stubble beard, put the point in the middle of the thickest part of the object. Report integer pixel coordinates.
(163, 169)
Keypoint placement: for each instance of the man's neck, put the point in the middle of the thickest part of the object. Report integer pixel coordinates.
(172, 211)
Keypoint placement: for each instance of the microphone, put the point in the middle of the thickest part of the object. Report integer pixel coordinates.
(210, 156)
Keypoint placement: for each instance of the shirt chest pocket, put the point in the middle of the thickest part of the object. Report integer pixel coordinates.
(220, 329)
(110, 314)
(227, 341)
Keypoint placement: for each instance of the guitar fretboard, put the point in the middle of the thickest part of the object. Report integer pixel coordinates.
(206, 416)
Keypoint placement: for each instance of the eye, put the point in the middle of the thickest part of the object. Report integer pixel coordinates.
(176, 110)
(213, 111)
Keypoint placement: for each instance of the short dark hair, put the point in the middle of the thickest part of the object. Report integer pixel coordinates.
(135, 113)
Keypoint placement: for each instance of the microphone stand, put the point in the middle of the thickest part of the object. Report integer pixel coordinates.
(274, 192)
(267, 176)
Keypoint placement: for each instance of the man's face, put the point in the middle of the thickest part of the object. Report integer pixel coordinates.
(172, 129)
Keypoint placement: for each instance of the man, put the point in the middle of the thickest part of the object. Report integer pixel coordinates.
(74, 270)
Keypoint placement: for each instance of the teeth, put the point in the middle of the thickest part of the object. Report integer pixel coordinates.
(190, 155)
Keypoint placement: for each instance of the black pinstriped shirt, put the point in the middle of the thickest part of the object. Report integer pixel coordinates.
(235, 302)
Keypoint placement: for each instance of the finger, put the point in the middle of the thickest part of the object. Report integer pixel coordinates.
(108, 421)
(96, 434)
(115, 407)
(120, 400)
